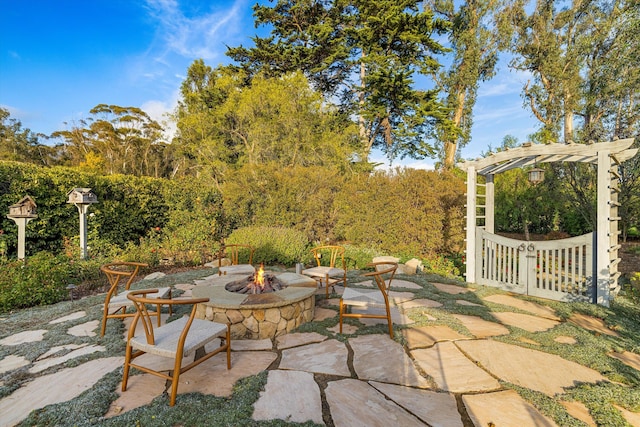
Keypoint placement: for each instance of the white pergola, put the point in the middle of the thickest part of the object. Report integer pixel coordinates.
(606, 155)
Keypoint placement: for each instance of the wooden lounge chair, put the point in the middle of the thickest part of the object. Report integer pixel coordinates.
(234, 252)
(116, 303)
(177, 339)
(330, 269)
(370, 298)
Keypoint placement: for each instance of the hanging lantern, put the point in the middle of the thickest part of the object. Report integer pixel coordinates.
(535, 175)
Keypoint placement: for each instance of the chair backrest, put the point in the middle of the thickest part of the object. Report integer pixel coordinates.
(380, 270)
(141, 302)
(233, 252)
(116, 271)
(332, 252)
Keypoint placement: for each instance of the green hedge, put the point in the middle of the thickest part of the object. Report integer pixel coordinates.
(273, 245)
(128, 208)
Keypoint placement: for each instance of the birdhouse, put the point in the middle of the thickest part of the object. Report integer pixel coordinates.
(82, 196)
(25, 208)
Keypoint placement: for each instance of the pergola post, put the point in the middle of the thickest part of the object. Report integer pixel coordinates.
(602, 274)
(489, 210)
(470, 253)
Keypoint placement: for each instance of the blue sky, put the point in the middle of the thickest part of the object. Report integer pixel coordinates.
(59, 59)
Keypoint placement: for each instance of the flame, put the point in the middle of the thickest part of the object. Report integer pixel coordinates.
(259, 280)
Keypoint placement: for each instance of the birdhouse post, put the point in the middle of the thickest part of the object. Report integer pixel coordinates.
(82, 198)
(21, 213)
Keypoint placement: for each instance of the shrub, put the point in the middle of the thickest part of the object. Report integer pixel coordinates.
(359, 257)
(41, 279)
(274, 245)
(441, 266)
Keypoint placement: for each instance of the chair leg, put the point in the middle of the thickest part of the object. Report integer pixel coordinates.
(228, 342)
(341, 308)
(390, 322)
(175, 380)
(103, 329)
(127, 366)
(326, 284)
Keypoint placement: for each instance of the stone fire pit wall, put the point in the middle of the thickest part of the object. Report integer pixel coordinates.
(258, 316)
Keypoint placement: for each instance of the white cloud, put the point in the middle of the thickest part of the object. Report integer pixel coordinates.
(201, 36)
(159, 111)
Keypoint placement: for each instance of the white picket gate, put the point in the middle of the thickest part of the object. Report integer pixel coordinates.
(556, 269)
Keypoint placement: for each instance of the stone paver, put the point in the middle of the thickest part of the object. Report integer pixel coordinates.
(84, 330)
(396, 297)
(563, 339)
(346, 329)
(292, 396)
(481, 328)
(592, 324)
(327, 357)
(356, 403)
(379, 358)
(426, 336)
(399, 283)
(69, 383)
(323, 314)
(451, 289)
(53, 361)
(452, 371)
(298, 339)
(397, 318)
(72, 316)
(419, 303)
(628, 358)
(213, 377)
(59, 348)
(467, 303)
(436, 409)
(531, 307)
(12, 362)
(632, 418)
(24, 337)
(525, 321)
(251, 345)
(141, 390)
(503, 408)
(579, 411)
(543, 372)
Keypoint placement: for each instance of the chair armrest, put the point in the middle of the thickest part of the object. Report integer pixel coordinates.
(163, 301)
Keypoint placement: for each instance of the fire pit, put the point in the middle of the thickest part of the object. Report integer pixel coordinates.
(258, 283)
(256, 313)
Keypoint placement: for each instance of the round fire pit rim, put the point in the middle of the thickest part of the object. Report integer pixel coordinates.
(296, 290)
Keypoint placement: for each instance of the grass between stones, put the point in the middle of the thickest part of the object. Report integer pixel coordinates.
(196, 409)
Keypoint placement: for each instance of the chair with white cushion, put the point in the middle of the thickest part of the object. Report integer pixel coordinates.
(177, 340)
(236, 252)
(116, 303)
(365, 299)
(330, 269)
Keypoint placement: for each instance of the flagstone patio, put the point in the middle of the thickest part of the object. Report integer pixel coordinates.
(432, 374)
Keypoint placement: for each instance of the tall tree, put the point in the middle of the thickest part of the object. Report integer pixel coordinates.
(367, 54)
(22, 145)
(582, 55)
(226, 121)
(475, 40)
(116, 140)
